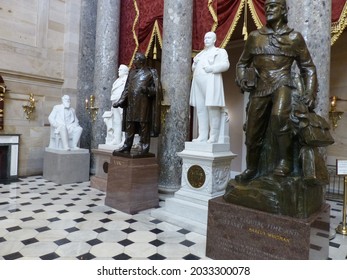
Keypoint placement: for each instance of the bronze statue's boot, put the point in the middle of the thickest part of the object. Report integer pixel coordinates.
(125, 149)
(128, 142)
(285, 151)
(251, 172)
(246, 175)
(144, 148)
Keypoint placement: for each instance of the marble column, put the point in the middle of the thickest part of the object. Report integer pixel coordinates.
(86, 61)
(313, 20)
(106, 64)
(176, 80)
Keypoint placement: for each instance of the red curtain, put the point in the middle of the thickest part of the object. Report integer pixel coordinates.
(142, 22)
(202, 22)
(128, 42)
(228, 14)
(219, 16)
(256, 8)
(150, 23)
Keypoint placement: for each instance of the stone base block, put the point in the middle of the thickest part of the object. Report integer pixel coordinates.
(239, 233)
(102, 161)
(64, 167)
(186, 209)
(132, 184)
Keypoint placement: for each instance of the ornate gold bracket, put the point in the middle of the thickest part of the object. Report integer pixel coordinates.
(30, 107)
(91, 109)
(334, 115)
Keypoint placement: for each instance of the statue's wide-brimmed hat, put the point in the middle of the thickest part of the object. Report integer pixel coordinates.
(282, 2)
(284, 7)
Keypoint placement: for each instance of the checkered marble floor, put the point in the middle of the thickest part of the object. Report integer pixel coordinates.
(338, 243)
(43, 220)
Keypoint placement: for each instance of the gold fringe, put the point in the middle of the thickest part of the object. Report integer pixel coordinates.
(213, 14)
(156, 26)
(134, 32)
(244, 32)
(233, 25)
(338, 27)
(155, 35)
(215, 25)
(254, 14)
(244, 28)
(155, 50)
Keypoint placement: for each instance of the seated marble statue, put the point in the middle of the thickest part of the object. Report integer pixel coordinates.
(65, 128)
(113, 118)
(207, 91)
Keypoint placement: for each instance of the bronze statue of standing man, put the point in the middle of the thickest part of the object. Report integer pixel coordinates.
(271, 51)
(141, 102)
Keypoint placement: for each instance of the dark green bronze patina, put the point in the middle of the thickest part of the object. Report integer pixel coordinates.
(285, 171)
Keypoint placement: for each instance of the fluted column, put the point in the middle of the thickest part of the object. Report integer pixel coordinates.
(86, 61)
(106, 64)
(175, 78)
(313, 20)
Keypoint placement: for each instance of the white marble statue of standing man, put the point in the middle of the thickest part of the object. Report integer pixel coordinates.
(113, 118)
(207, 91)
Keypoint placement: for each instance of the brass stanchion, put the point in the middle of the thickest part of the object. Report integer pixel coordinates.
(342, 229)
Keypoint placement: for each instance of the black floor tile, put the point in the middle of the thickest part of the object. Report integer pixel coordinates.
(191, 257)
(122, 257)
(50, 256)
(156, 257)
(125, 242)
(87, 256)
(13, 256)
(157, 243)
(29, 241)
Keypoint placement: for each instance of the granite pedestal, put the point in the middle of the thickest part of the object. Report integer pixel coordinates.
(64, 167)
(239, 233)
(132, 183)
(102, 161)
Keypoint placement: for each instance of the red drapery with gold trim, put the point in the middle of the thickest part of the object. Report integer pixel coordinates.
(142, 22)
(338, 18)
(220, 16)
(128, 42)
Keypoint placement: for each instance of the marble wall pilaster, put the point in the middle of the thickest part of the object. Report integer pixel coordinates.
(176, 80)
(106, 64)
(313, 20)
(86, 61)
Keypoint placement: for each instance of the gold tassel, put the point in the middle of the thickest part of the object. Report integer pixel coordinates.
(155, 48)
(244, 32)
(244, 28)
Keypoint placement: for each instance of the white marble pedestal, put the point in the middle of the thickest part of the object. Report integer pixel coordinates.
(205, 174)
(103, 156)
(64, 167)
